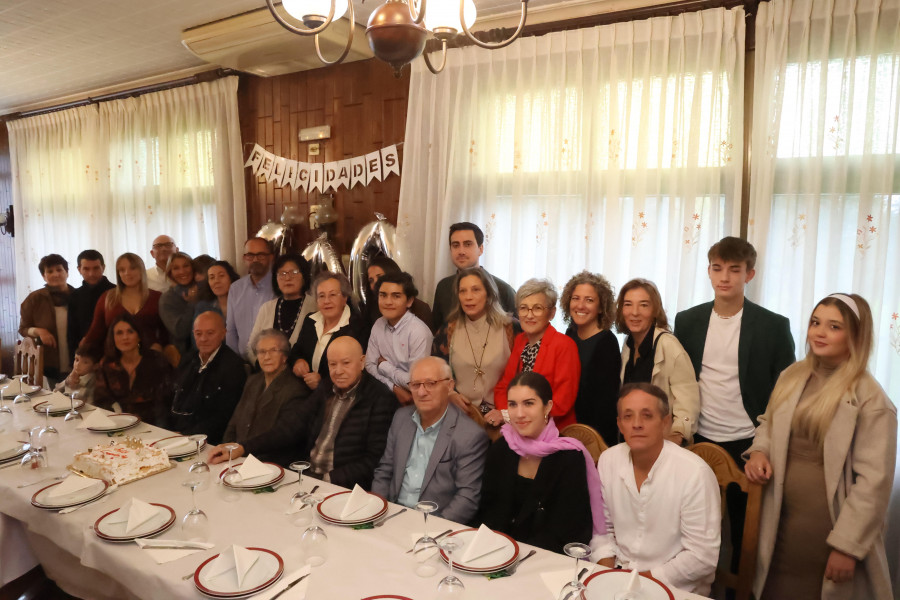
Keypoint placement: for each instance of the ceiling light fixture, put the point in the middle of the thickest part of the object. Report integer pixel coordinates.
(397, 30)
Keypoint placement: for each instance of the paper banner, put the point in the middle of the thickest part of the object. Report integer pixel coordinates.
(357, 171)
(303, 176)
(290, 176)
(278, 171)
(373, 166)
(256, 156)
(343, 178)
(268, 163)
(331, 174)
(316, 175)
(390, 160)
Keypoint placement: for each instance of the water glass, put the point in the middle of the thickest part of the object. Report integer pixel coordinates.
(314, 544)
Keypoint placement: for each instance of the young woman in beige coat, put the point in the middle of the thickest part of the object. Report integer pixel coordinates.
(826, 448)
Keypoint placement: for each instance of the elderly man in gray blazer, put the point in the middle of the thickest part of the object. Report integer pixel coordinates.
(434, 451)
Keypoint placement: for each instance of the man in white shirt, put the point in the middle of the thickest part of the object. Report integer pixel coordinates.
(662, 504)
(163, 249)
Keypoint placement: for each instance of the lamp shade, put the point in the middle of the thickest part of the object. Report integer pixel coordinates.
(318, 9)
(444, 15)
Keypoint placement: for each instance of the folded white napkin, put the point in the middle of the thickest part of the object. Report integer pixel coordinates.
(252, 468)
(176, 445)
(165, 555)
(58, 401)
(135, 513)
(298, 592)
(96, 418)
(356, 501)
(236, 558)
(634, 581)
(70, 485)
(555, 580)
(484, 542)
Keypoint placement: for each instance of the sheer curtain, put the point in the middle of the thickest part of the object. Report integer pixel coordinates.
(114, 176)
(616, 148)
(825, 179)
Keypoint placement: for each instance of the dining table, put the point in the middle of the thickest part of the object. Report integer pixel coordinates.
(360, 563)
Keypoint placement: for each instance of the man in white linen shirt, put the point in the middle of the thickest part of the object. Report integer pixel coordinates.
(662, 503)
(398, 337)
(162, 250)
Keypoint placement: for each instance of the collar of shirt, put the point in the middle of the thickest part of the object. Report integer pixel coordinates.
(401, 323)
(203, 364)
(628, 474)
(320, 321)
(434, 426)
(264, 281)
(349, 393)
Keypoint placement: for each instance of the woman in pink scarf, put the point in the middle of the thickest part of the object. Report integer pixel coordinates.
(540, 488)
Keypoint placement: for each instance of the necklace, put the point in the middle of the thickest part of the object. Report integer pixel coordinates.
(478, 370)
(278, 323)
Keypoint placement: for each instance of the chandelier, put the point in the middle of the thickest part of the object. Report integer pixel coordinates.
(397, 31)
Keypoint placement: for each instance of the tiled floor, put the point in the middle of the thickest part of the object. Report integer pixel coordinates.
(34, 585)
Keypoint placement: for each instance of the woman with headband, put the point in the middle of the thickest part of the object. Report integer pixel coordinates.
(825, 450)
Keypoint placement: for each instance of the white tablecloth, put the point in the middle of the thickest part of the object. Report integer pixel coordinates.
(360, 563)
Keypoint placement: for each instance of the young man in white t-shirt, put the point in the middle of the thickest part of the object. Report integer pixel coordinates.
(738, 350)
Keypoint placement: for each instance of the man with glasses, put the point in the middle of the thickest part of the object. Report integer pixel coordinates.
(434, 451)
(209, 382)
(248, 294)
(163, 249)
(352, 416)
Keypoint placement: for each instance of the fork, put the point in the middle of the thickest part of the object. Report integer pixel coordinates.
(386, 519)
(512, 570)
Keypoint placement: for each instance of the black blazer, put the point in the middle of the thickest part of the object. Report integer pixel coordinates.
(210, 397)
(307, 340)
(598, 392)
(362, 437)
(557, 511)
(765, 349)
(82, 301)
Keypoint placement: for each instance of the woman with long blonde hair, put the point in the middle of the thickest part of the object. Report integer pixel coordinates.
(825, 449)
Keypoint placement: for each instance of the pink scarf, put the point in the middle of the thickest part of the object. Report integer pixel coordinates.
(548, 442)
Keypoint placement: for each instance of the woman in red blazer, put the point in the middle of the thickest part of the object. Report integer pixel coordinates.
(542, 349)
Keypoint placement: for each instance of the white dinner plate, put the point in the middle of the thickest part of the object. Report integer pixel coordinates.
(115, 532)
(177, 446)
(489, 563)
(264, 573)
(13, 453)
(331, 507)
(42, 498)
(59, 406)
(13, 390)
(276, 474)
(604, 585)
(122, 422)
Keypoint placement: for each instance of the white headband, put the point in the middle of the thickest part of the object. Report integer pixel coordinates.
(848, 301)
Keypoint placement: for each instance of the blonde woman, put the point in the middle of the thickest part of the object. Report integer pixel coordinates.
(825, 449)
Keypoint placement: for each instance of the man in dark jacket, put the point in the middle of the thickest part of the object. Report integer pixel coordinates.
(83, 300)
(210, 382)
(353, 415)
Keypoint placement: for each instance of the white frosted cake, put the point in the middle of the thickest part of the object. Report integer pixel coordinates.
(121, 461)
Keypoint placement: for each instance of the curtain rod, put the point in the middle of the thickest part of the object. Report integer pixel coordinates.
(132, 93)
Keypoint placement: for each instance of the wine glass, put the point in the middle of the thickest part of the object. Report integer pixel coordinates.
(34, 460)
(231, 477)
(450, 586)
(6, 413)
(22, 397)
(574, 588)
(299, 466)
(48, 436)
(199, 469)
(424, 566)
(314, 544)
(73, 413)
(195, 524)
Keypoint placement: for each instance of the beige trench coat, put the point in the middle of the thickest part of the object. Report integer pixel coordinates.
(860, 451)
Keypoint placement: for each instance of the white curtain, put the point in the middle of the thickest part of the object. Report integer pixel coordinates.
(114, 176)
(825, 178)
(616, 148)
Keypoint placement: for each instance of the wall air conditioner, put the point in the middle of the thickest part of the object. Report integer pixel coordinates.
(254, 43)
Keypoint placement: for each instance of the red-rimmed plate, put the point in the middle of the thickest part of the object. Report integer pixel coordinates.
(387, 597)
(41, 498)
(15, 453)
(330, 509)
(122, 422)
(115, 532)
(263, 574)
(276, 475)
(13, 390)
(57, 409)
(489, 563)
(176, 448)
(604, 585)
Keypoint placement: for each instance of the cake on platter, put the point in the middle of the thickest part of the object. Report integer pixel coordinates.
(122, 461)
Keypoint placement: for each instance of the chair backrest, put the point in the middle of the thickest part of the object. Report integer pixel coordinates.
(727, 473)
(29, 360)
(172, 355)
(588, 436)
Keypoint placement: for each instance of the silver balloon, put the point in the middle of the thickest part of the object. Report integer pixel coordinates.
(322, 256)
(275, 233)
(378, 237)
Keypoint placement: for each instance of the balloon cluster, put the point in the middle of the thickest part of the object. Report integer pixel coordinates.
(322, 256)
(374, 239)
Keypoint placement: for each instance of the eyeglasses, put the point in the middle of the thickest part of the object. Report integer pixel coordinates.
(287, 274)
(163, 245)
(537, 310)
(415, 386)
(251, 256)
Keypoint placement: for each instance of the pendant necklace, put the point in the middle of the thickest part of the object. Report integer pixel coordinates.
(478, 370)
(278, 324)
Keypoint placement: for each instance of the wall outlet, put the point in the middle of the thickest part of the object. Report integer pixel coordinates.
(313, 150)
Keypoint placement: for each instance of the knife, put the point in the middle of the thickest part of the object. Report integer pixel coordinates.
(150, 545)
(289, 586)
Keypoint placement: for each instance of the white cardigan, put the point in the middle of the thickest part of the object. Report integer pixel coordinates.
(265, 319)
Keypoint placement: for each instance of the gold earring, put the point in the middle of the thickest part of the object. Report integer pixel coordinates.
(547, 418)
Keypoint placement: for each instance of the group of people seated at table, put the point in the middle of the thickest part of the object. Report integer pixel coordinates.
(463, 403)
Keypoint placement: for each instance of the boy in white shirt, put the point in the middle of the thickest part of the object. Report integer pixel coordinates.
(83, 375)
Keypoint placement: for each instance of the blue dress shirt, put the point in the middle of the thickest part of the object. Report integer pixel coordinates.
(417, 463)
(244, 301)
(400, 346)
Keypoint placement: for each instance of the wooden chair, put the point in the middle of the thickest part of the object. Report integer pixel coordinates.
(588, 436)
(29, 360)
(728, 473)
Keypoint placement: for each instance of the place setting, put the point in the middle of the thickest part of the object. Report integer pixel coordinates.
(98, 421)
(135, 519)
(251, 474)
(624, 584)
(352, 508)
(59, 404)
(181, 446)
(11, 449)
(239, 572)
(69, 492)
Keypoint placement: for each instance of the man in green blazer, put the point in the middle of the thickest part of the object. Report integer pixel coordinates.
(738, 349)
